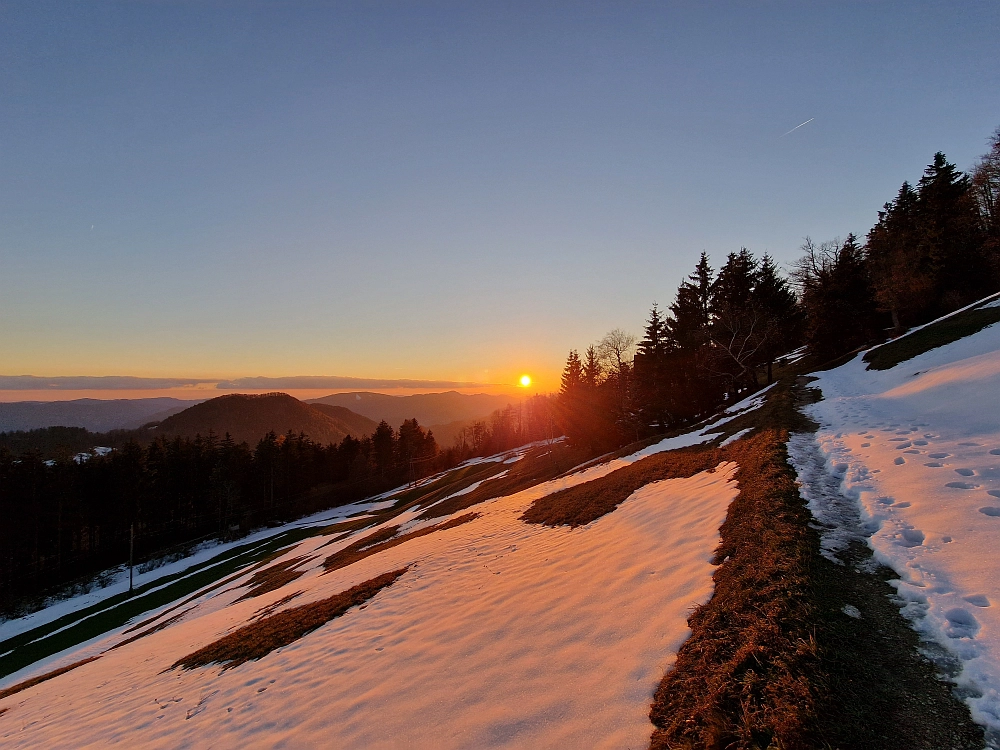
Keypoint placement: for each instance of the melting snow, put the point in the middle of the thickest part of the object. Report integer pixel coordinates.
(501, 634)
(913, 453)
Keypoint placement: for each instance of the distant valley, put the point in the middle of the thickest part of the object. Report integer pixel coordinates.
(244, 417)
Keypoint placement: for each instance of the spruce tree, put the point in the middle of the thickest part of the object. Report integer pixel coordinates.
(950, 237)
(650, 374)
(902, 274)
(736, 323)
(780, 316)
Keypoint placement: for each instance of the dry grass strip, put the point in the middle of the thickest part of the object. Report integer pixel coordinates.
(539, 465)
(256, 640)
(274, 577)
(156, 628)
(747, 676)
(270, 608)
(44, 677)
(586, 502)
(349, 526)
(385, 539)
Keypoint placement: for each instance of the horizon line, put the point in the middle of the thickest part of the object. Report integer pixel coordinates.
(295, 382)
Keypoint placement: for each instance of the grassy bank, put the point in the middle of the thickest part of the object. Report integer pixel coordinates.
(773, 662)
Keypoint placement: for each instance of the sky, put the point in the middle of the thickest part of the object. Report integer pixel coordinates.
(455, 193)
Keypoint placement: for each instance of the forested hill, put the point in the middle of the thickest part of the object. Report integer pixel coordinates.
(247, 418)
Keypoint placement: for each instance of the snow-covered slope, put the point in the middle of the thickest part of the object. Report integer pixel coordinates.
(499, 634)
(917, 447)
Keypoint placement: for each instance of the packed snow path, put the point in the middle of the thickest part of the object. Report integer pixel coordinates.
(917, 448)
(501, 634)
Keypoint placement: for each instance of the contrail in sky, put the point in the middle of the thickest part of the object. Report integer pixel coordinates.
(797, 127)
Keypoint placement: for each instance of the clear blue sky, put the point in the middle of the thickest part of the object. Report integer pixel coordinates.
(459, 191)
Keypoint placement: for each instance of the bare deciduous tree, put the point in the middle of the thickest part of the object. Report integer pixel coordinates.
(615, 350)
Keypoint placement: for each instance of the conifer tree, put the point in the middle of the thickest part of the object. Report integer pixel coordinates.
(691, 310)
(950, 237)
(651, 371)
(837, 297)
(590, 375)
(737, 324)
(780, 315)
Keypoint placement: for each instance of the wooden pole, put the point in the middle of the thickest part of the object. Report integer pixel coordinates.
(131, 548)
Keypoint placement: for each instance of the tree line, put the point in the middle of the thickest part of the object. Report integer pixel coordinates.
(66, 518)
(934, 249)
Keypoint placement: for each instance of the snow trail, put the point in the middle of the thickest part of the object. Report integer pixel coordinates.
(916, 451)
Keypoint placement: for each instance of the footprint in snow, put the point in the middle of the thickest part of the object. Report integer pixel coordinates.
(938, 455)
(977, 600)
(899, 440)
(912, 537)
(965, 472)
(866, 445)
(995, 452)
(934, 464)
(920, 442)
(971, 445)
(912, 450)
(961, 623)
(962, 485)
(991, 511)
(901, 446)
(899, 461)
(904, 504)
(993, 493)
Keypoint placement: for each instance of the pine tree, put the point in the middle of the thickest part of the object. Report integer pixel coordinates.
(691, 310)
(572, 376)
(837, 297)
(650, 371)
(902, 275)
(737, 325)
(383, 447)
(949, 234)
(590, 375)
(781, 319)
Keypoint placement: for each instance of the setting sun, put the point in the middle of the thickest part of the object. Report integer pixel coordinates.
(525, 381)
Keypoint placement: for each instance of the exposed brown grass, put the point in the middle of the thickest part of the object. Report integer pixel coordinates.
(586, 502)
(350, 525)
(274, 577)
(541, 464)
(772, 662)
(7, 692)
(748, 675)
(386, 539)
(937, 334)
(270, 608)
(156, 628)
(451, 482)
(258, 639)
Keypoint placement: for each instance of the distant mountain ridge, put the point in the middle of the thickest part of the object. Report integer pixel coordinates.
(429, 409)
(247, 418)
(96, 415)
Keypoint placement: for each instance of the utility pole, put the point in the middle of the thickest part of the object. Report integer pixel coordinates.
(131, 549)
